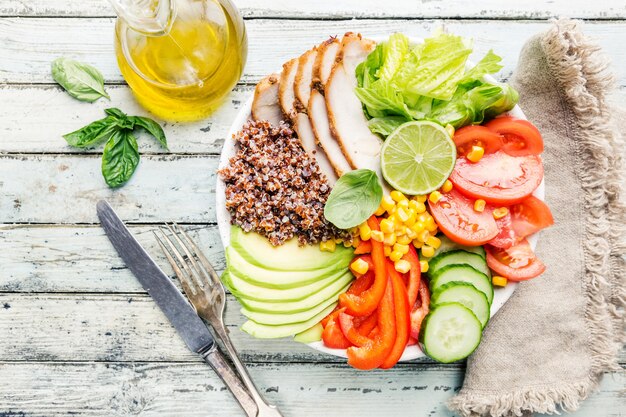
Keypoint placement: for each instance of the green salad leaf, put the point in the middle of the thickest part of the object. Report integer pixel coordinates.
(354, 198)
(81, 81)
(429, 81)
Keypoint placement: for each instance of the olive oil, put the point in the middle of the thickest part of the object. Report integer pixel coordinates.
(186, 72)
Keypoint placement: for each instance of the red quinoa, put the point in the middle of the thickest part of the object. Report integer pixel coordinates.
(273, 187)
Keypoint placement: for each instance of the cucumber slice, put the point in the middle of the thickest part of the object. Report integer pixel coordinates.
(265, 331)
(448, 245)
(450, 333)
(463, 273)
(466, 294)
(458, 257)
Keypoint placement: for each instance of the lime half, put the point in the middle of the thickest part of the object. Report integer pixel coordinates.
(418, 157)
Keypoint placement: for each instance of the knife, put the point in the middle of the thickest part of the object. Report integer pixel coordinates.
(171, 301)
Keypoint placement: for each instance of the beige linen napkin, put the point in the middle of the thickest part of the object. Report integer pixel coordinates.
(548, 347)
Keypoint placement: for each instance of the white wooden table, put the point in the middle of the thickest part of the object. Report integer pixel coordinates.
(78, 335)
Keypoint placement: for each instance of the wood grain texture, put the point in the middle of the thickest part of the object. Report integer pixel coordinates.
(190, 389)
(331, 9)
(29, 45)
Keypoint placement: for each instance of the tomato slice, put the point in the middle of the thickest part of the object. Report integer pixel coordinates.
(415, 273)
(456, 217)
(498, 178)
(402, 309)
(506, 236)
(517, 263)
(530, 216)
(519, 137)
(469, 136)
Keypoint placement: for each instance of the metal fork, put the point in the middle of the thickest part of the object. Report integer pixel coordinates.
(206, 293)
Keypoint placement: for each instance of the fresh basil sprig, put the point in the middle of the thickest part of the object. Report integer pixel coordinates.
(81, 81)
(354, 198)
(121, 155)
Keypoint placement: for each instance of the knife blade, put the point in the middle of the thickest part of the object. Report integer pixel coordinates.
(160, 287)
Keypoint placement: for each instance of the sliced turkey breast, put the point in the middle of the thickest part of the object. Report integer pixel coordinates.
(303, 79)
(286, 93)
(265, 103)
(326, 56)
(348, 124)
(302, 125)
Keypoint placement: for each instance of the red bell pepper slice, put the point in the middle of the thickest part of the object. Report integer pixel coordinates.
(365, 303)
(402, 310)
(420, 311)
(367, 258)
(368, 324)
(364, 247)
(359, 285)
(333, 337)
(415, 273)
(374, 352)
(349, 327)
(411, 341)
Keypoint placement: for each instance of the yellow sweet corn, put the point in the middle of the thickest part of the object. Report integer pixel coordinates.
(402, 266)
(434, 197)
(402, 214)
(397, 196)
(389, 239)
(403, 203)
(356, 241)
(347, 244)
(387, 225)
(328, 246)
(411, 234)
(377, 235)
(365, 232)
(431, 226)
(422, 218)
(428, 251)
(447, 186)
(500, 212)
(387, 203)
(420, 198)
(360, 266)
(499, 281)
(423, 235)
(379, 211)
(395, 255)
(387, 250)
(479, 205)
(403, 240)
(424, 266)
(475, 154)
(433, 241)
(418, 227)
(412, 218)
(402, 248)
(417, 243)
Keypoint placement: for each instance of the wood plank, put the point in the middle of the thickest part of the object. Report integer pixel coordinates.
(329, 9)
(29, 45)
(66, 188)
(33, 119)
(164, 390)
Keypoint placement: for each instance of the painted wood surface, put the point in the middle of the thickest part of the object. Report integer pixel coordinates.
(332, 9)
(29, 45)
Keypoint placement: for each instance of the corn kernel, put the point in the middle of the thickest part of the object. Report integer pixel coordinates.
(500, 212)
(356, 242)
(402, 215)
(397, 196)
(365, 232)
(387, 225)
(423, 235)
(401, 231)
(450, 129)
(402, 248)
(479, 205)
(476, 153)
(447, 186)
(387, 250)
(412, 219)
(403, 240)
(387, 203)
(389, 239)
(431, 226)
(434, 197)
(377, 235)
(328, 246)
(499, 281)
(433, 241)
(411, 234)
(395, 255)
(422, 217)
(424, 266)
(347, 244)
(428, 251)
(379, 211)
(404, 204)
(420, 198)
(417, 243)
(360, 266)
(402, 266)
(418, 227)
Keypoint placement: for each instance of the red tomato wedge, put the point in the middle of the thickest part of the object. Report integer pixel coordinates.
(498, 178)
(457, 219)
(517, 263)
(519, 137)
(530, 216)
(506, 236)
(469, 136)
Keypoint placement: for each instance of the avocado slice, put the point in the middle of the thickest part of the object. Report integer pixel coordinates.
(311, 335)
(243, 289)
(265, 331)
(283, 307)
(276, 279)
(290, 256)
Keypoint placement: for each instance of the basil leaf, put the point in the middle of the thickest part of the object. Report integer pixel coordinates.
(81, 81)
(92, 134)
(151, 127)
(120, 158)
(121, 119)
(354, 198)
